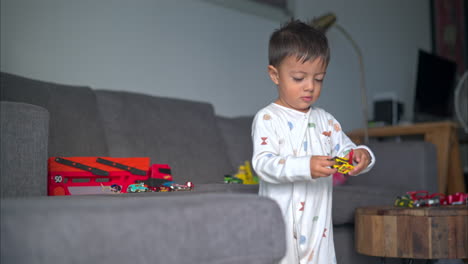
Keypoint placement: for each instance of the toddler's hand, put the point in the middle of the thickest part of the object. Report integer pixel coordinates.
(362, 158)
(321, 166)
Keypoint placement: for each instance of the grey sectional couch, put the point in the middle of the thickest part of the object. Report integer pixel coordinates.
(216, 223)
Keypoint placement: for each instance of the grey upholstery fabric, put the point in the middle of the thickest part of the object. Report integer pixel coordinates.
(229, 188)
(74, 128)
(402, 165)
(236, 135)
(346, 198)
(180, 133)
(23, 149)
(206, 228)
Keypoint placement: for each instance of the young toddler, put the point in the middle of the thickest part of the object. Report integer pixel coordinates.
(294, 143)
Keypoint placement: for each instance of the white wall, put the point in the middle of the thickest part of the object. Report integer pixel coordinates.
(196, 50)
(389, 33)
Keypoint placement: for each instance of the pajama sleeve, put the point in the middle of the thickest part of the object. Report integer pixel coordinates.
(343, 145)
(267, 162)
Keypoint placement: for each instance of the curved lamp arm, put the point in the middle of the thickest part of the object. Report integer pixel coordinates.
(363, 85)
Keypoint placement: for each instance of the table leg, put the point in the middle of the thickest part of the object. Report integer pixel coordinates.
(456, 180)
(441, 139)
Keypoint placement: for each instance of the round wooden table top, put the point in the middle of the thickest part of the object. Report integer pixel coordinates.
(416, 233)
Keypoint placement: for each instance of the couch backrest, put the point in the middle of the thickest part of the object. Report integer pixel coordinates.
(409, 165)
(74, 127)
(236, 133)
(181, 133)
(23, 149)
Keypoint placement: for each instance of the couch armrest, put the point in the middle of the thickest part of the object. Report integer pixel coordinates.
(23, 149)
(172, 229)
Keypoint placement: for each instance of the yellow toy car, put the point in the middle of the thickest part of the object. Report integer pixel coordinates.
(344, 165)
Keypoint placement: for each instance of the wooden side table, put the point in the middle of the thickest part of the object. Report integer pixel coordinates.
(412, 233)
(444, 135)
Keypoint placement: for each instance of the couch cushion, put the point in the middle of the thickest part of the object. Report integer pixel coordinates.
(74, 128)
(177, 132)
(236, 133)
(410, 165)
(346, 198)
(23, 149)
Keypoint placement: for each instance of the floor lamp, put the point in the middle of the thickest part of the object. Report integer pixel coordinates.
(324, 23)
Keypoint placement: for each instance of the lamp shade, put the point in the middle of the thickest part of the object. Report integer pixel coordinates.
(323, 22)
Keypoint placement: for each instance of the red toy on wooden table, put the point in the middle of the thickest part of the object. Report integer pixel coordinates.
(457, 198)
(98, 175)
(424, 199)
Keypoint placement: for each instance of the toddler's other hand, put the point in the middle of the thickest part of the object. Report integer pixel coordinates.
(321, 166)
(362, 158)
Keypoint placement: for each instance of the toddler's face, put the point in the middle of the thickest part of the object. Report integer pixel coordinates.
(299, 84)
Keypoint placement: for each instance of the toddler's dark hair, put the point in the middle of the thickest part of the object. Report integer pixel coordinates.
(297, 39)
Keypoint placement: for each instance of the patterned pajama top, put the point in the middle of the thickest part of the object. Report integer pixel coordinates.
(284, 141)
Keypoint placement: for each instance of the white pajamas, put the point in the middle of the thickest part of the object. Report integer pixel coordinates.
(284, 141)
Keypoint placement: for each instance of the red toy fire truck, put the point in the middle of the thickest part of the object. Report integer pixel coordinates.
(98, 175)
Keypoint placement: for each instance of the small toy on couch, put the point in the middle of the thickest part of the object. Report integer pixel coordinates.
(244, 175)
(188, 186)
(137, 187)
(231, 179)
